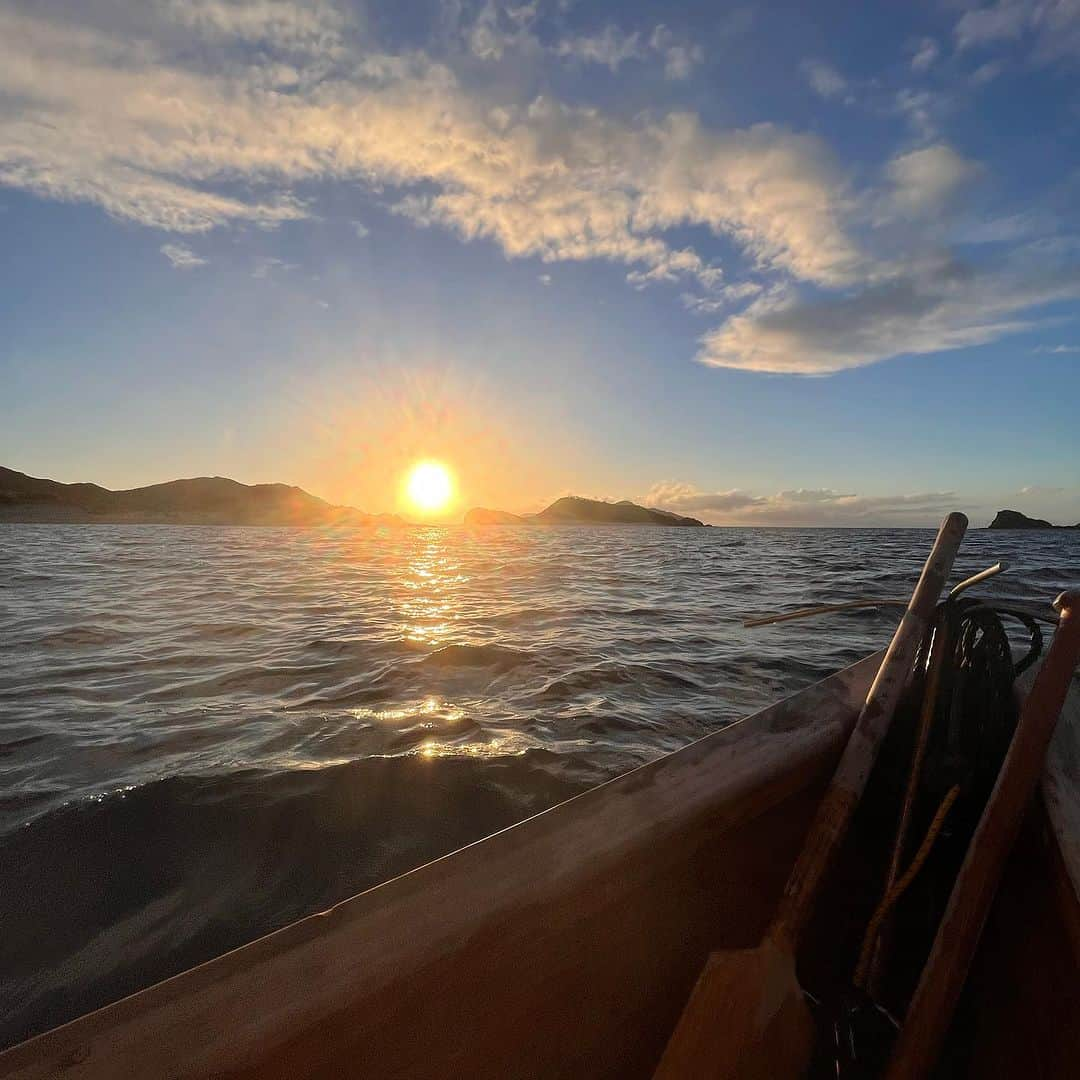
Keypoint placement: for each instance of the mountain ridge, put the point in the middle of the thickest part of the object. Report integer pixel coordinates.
(201, 500)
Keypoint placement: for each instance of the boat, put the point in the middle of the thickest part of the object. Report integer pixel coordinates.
(567, 945)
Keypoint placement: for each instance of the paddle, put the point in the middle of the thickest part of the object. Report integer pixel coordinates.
(746, 1017)
(946, 969)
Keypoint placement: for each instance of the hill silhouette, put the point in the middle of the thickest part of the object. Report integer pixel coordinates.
(1013, 519)
(204, 500)
(574, 510)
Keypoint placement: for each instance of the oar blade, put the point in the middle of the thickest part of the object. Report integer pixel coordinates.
(746, 1020)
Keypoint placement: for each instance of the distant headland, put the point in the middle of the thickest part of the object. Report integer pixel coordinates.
(216, 500)
(1013, 519)
(205, 500)
(573, 510)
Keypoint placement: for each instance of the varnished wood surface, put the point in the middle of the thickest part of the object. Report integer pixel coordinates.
(1026, 982)
(1061, 787)
(1025, 985)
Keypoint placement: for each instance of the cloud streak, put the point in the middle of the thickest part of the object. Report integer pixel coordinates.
(925, 54)
(182, 257)
(824, 79)
(927, 180)
(191, 116)
(1051, 26)
(609, 48)
(933, 308)
(801, 506)
(543, 179)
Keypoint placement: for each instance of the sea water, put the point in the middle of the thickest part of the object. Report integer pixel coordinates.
(208, 732)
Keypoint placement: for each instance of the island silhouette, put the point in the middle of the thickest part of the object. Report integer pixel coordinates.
(217, 500)
(574, 510)
(1013, 519)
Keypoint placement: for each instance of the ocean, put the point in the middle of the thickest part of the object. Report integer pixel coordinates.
(208, 732)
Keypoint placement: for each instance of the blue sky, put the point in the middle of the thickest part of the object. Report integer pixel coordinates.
(776, 263)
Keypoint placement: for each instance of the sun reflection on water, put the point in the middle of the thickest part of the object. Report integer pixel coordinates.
(511, 744)
(430, 706)
(433, 581)
(434, 609)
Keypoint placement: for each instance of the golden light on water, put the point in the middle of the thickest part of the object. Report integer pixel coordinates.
(429, 487)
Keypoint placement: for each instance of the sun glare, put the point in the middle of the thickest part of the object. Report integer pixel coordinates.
(429, 486)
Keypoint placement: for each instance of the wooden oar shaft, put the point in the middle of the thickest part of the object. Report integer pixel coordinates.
(954, 946)
(834, 814)
(747, 1018)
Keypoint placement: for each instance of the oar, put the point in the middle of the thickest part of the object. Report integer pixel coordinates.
(946, 969)
(746, 1018)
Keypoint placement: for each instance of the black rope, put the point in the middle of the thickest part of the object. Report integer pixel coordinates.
(974, 720)
(976, 711)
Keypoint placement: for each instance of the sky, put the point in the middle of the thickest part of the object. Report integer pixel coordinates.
(762, 264)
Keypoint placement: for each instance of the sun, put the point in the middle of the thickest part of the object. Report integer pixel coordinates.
(429, 486)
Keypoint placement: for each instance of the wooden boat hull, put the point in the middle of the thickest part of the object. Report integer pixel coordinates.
(1026, 980)
(563, 946)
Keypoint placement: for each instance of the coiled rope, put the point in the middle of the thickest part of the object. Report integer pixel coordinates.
(967, 722)
(888, 901)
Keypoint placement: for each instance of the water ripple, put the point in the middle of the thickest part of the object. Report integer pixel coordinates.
(206, 732)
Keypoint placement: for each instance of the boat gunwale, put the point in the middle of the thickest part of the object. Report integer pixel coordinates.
(411, 919)
(1060, 784)
(777, 741)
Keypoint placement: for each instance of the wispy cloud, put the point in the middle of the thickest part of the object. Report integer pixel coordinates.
(292, 96)
(1051, 26)
(987, 72)
(924, 54)
(800, 506)
(545, 179)
(182, 257)
(721, 299)
(925, 181)
(62, 136)
(824, 79)
(680, 57)
(497, 30)
(922, 109)
(610, 48)
(611, 190)
(313, 27)
(1003, 20)
(1056, 349)
(674, 266)
(263, 266)
(929, 308)
(681, 497)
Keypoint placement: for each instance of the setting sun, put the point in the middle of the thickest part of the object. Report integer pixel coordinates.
(429, 486)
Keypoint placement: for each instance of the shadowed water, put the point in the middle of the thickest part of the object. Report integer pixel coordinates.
(208, 732)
